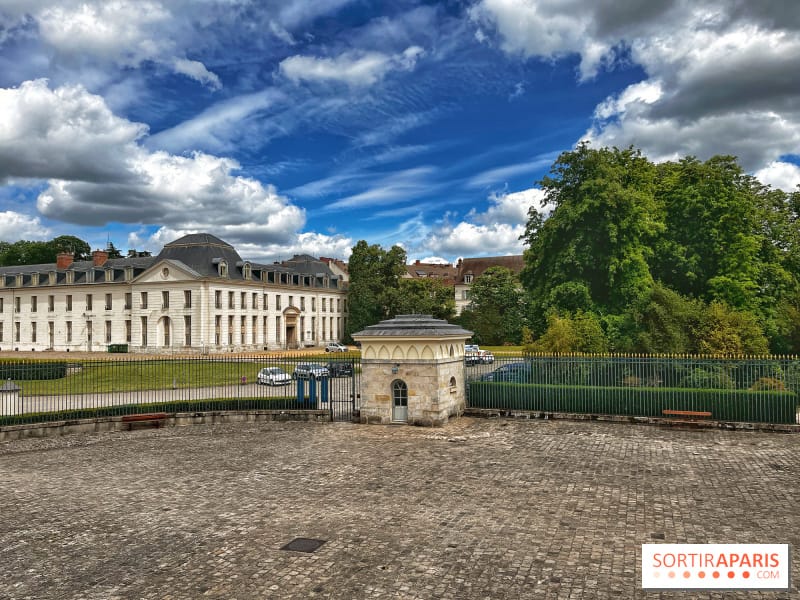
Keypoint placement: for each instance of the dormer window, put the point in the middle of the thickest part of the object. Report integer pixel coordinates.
(246, 270)
(70, 276)
(109, 275)
(222, 268)
(467, 278)
(52, 278)
(90, 276)
(34, 279)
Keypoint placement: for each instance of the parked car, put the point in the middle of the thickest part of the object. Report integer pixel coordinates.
(310, 371)
(273, 376)
(335, 347)
(340, 368)
(487, 358)
(516, 372)
(472, 358)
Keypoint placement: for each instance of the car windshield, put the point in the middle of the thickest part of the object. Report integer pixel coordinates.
(273, 371)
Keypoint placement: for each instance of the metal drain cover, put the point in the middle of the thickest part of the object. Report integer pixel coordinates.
(303, 545)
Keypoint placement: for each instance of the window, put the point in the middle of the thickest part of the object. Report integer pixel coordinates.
(255, 301)
(302, 302)
(243, 329)
(467, 278)
(89, 333)
(51, 329)
(323, 305)
(70, 276)
(218, 299)
(69, 332)
(108, 332)
(1, 304)
(187, 330)
(128, 331)
(128, 300)
(230, 299)
(265, 299)
(33, 332)
(244, 300)
(16, 331)
(88, 302)
(278, 302)
(144, 329)
(302, 329)
(230, 330)
(278, 329)
(313, 303)
(291, 300)
(253, 330)
(69, 302)
(51, 303)
(1, 331)
(108, 301)
(143, 300)
(223, 268)
(313, 328)
(187, 299)
(217, 330)
(34, 301)
(165, 299)
(246, 270)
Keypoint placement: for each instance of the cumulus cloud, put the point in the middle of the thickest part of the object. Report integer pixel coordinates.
(356, 69)
(126, 33)
(493, 232)
(99, 172)
(65, 133)
(15, 226)
(782, 175)
(721, 76)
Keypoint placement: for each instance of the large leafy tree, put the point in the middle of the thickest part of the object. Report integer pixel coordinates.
(375, 276)
(423, 296)
(496, 313)
(26, 252)
(595, 246)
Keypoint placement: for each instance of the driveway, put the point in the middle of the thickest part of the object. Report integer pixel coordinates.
(479, 509)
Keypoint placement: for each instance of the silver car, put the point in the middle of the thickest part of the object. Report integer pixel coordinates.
(310, 371)
(273, 376)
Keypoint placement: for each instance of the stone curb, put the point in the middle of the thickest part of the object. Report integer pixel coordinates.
(682, 423)
(10, 433)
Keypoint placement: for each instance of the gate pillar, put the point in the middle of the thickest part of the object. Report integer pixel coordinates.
(412, 370)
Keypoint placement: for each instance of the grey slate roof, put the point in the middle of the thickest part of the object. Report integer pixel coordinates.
(198, 251)
(413, 326)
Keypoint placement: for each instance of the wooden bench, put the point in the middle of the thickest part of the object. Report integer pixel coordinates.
(143, 420)
(685, 413)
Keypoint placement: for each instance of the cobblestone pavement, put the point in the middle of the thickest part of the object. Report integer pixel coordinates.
(479, 509)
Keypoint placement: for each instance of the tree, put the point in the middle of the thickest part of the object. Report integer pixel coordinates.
(423, 296)
(496, 313)
(599, 235)
(580, 332)
(70, 243)
(374, 280)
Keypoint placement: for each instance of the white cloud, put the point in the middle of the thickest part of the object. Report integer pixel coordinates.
(493, 232)
(126, 33)
(65, 133)
(15, 226)
(781, 175)
(501, 175)
(197, 71)
(721, 76)
(99, 172)
(403, 185)
(356, 69)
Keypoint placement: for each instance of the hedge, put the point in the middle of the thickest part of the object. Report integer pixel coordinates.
(33, 371)
(728, 405)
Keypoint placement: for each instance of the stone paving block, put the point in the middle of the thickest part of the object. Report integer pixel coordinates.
(479, 509)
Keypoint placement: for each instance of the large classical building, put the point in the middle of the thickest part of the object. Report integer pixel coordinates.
(198, 295)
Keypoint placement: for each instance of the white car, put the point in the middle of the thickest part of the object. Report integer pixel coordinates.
(335, 347)
(273, 376)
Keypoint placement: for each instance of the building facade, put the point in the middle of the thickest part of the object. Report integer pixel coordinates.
(197, 296)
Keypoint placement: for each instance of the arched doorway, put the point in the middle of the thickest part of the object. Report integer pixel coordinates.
(399, 401)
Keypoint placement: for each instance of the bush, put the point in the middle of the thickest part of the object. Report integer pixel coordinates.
(30, 371)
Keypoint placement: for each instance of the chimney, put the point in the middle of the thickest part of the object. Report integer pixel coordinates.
(99, 257)
(64, 260)
(416, 263)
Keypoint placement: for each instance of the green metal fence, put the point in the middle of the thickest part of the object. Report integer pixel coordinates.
(746, 389)
(52, 390)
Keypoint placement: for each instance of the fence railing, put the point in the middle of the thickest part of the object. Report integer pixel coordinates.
(48, 390)
(747, 389)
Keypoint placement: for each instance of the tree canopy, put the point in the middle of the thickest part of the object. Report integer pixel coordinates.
(681, 256)
(26, 252)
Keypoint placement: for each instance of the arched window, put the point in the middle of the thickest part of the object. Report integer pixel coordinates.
(246, 270)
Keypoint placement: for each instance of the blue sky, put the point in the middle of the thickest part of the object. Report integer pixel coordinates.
(304, 126)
